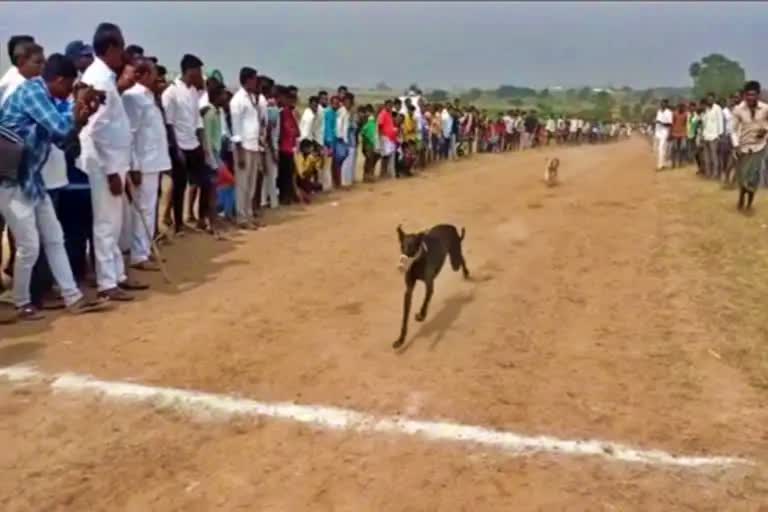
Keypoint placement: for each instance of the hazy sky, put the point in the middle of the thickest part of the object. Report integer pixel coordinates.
(436, 44)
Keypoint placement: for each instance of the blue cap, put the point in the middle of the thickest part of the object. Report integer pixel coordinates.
(77, 49)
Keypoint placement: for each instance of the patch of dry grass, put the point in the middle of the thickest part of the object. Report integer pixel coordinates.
(731, 251)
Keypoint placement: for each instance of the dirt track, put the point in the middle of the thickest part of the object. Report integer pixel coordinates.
(587, 318)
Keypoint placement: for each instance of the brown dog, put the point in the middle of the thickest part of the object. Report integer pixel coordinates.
(551, 171)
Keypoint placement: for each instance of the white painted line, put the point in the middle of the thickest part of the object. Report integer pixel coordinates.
(333, 418)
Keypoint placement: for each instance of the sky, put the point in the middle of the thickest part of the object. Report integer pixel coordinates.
(434, 44)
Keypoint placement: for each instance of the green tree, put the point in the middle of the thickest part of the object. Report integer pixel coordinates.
(473, 94)
(544, 109)
(510, 91)
(438, 95)
(544, 93)
(604, 103)
(584, 93)
(717, 74)
(648, 114)
(625, 112)
(646, 96)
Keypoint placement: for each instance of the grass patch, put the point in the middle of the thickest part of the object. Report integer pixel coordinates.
(731, 250)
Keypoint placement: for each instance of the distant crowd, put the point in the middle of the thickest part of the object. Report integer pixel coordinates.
(724, 138)
(86, 137)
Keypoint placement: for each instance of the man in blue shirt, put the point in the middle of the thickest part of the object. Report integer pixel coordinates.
(31, 114)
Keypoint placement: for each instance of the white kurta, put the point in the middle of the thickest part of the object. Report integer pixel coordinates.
(105, 150)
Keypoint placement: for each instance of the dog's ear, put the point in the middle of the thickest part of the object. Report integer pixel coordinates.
(400, 233)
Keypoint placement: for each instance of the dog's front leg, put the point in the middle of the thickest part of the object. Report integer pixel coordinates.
(421, 315)
(406, 311)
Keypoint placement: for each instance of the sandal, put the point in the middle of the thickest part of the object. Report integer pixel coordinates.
(131, 285)
(84, 305)
(116, 294)
(29, 313)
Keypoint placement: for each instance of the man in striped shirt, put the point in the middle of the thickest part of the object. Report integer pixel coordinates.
(31, 114)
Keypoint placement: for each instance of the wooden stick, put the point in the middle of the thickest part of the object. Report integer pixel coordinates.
(155, 248)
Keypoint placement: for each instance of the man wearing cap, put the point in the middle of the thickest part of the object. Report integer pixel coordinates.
(74, 203)
(80, 54)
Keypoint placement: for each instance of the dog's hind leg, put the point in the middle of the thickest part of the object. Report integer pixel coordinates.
(421, 315)
(457, 260)
(406, 311)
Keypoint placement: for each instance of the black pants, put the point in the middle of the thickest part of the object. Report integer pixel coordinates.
(286, 170)
(2, 228)
(76, 216)
(193, 169)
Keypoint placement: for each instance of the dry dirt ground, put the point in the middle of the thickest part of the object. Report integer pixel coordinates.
(623, 305)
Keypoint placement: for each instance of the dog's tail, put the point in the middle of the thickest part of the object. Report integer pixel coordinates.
(461, 236)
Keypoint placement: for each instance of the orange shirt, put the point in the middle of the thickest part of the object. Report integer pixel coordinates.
(679, 124)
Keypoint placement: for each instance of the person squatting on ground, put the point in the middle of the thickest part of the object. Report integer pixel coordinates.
(88, 190)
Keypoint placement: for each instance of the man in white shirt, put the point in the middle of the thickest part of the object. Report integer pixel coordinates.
(573, 129)
(246, 134)
(550, 126)
(181, 103)
(446, 121)
(712, 128)
(318, 136)
(561, 130)
(308, 117)
(18, 48)
(661, 134)
(343, 142)
(318, 125)
(106, 157)
(149, 157)
(750, 129)
(509, 130)
(28, 59)
(725, 148)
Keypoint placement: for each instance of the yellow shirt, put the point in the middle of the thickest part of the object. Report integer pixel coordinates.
(409, 128)
(306, 165)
